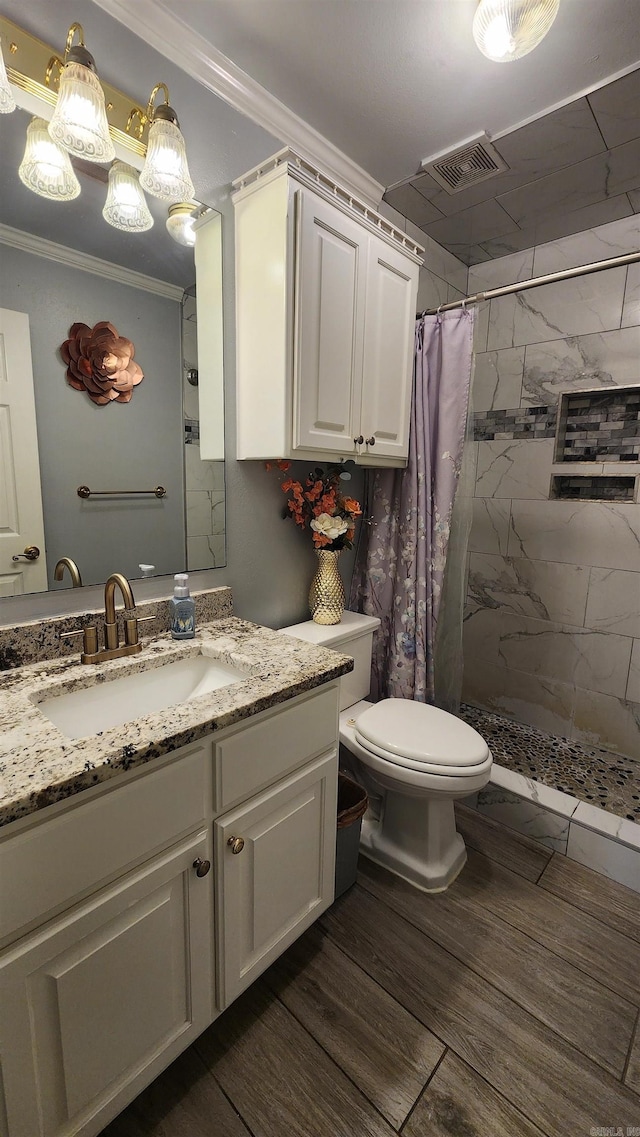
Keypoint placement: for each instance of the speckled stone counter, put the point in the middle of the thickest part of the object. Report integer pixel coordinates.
(39, 765)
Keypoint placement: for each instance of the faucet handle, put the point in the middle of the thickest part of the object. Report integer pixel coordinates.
(89, 641)
(131, 628)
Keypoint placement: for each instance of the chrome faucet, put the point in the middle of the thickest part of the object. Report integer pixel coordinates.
(74, 571)
(112, 649)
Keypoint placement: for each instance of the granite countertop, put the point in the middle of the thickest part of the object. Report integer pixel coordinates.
(40, 765)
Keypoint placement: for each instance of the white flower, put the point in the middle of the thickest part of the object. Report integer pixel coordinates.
(331, 527)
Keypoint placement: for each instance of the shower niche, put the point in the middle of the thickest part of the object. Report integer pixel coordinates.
(601, 428)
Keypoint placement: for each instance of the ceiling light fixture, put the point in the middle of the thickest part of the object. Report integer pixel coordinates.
(79, 121)
(125, 207)
(505, 30)
(165, 173)
(46, 168)
(180, 223)
(7, 101)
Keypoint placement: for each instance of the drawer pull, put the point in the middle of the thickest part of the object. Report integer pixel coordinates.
(201, 866)
(370, 441)
(236, 844)
(359, 440)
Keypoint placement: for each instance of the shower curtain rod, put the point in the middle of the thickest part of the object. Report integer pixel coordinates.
(535, 282)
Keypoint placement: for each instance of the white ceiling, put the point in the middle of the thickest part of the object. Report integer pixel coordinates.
(391, 82)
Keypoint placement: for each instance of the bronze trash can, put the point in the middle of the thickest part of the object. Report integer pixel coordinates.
(352, 806)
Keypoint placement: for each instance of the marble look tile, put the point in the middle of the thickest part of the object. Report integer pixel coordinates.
(604, 855)
(615, 107)
(634, 200)
(604, 720)
(633, 686)
(613, 604)
(604, 359)
(605, 175)
(578, 533)
(631, 307)
(504, 270)
(518, 468)
(502, 319)
(596, 661)
(432, 290)
(199, 513)
(530, 790)
(600, 821)
(497, 380)
(532, 820)
(542, 703)
(438, 259)
(554, 225)
(541, 589)
(471, 226)
(205, 552)
(490, 526)
(200, 475)
(596, 244)
(574, 307)
(412, 204)
(481, 326)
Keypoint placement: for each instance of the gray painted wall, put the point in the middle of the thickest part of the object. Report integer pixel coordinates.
(123, 445)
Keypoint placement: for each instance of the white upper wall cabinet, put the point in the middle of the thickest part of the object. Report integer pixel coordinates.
(325, 307)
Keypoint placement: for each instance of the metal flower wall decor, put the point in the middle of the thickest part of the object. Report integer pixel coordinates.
(100, 362)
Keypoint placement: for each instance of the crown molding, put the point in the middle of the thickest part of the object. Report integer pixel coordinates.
(29, 243)
(174, 39)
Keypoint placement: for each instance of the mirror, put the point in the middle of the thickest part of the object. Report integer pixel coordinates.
(63, 264)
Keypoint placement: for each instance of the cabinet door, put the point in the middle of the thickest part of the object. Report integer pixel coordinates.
(283, 877)
(331, 252)
(97, 1003)
(392, 286)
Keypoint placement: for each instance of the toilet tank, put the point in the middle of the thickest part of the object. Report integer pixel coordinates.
(352, 636)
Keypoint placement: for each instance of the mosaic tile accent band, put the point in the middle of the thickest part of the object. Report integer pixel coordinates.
(522, 422)
(600, 777)
(605, 488)
(600, 426)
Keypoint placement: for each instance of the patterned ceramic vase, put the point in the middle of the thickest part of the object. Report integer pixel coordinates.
(326, 595)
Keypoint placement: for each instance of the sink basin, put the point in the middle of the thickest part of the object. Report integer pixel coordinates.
(105, 705)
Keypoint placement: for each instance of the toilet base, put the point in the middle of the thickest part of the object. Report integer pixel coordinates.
(416, 839)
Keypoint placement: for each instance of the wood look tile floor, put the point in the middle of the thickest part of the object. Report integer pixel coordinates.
(507, 1007)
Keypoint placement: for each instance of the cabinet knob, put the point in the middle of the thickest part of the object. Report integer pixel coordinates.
(359, 440)
(370, 441)
(236, 844)
(201, 866)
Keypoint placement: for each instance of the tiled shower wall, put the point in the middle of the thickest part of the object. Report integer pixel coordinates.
(552, 631)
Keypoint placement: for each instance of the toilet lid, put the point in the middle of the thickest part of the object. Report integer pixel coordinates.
(401, 729)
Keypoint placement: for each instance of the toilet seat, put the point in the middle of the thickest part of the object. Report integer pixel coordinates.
(420, 737)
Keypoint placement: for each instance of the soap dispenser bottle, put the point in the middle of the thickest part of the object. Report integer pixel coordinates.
(183, 609)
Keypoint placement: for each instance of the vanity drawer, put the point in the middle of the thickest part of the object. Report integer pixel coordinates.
(255, 756)
(47, 867)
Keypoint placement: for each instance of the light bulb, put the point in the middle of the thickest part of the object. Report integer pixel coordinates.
(505, 30)
(7, 101)
(166, 173)
(46, 168)
(79, 121)
(180, 223)
(125, 207)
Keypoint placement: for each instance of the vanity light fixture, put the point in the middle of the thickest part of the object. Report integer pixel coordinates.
(7, 101)
(180, 223)
(46, 168)
(165, 173)
(505, 30)
(126, 207)
(79, 121)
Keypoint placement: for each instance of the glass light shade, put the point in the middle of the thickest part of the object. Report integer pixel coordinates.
(125, 207)
(7, 101)
(180, 223)
(166, 173)
(79, 120)
(46, 168)
(505, 30)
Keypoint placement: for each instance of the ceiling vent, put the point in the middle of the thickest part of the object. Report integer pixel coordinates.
(474, 161)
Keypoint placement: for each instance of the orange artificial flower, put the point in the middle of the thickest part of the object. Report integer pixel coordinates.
(319, 540)
(283, 464)
(352, 506)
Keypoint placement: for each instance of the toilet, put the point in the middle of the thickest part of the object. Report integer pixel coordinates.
(413, 759)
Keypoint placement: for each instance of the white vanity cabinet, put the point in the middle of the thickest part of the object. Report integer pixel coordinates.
(325, 307)
(129, 921)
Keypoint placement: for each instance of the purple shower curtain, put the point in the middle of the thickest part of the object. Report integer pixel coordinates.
(401, 559)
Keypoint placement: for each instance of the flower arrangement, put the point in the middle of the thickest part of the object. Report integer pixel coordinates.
(319, 504)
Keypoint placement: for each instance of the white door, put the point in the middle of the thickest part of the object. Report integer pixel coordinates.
(331, 256)
(280, 878)
(392, 286)
(99, 1001)
(21, 524)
